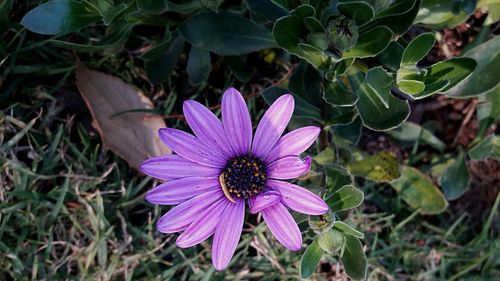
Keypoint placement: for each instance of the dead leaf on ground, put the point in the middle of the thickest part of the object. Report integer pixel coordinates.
(131, 135)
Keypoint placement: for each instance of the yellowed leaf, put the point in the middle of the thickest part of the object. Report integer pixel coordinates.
(131, 135)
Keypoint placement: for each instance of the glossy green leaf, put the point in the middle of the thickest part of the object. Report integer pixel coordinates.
(440, 14)
(488, 110)
(396, 8)
(290, 33)
(351, 132)
(59, 17)
(306, 83)
(302, 11)
(303, 109)
(347, 229)
(418, 191)
(391, 56)
(347, 197)
(332, 242)
(485, 76)
(455, 180)
(310, 259)
(445, 74)
(198, 66)
(411, 132)
(380, 83)
(337, 94)
(160, 68)
(378, 108)
(360, 11)
(397, 23)
(337, 115)
(380, 167)
(154, 7)
(226, 34)
(411, 87)
(370, 43)
(336, 178)
(354, 259)
(418, 48)
(487, 148)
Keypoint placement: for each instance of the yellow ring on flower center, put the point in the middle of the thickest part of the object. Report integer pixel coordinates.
(224, 188)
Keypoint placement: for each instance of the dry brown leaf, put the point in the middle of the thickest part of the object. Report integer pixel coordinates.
(132, 135)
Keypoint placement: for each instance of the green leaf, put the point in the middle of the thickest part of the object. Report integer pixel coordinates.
(396, 8)
(411, 87)
(310, 259)
(380, 167)
(154, 7)
(303, 109)
(303, 11)
(488, 110)
(370, 43)
(411, 132)
(485, 76)
(360, 11)
(347, 229)
(159, 48)
(439, 14)
(289, 32)
(456, 178)
(487, 148)
(418, 191)
(418, 48)
(391, 56)
(337, 94)
(321, 224)
(287, 4)
(198, 66)
(226, 34)
(347, 197)
(336, 177)
(159, 69)
(397, 23)
(445, 74)
(354, 258)
(379, 81)
(332, 242)
(306, 83)
(59, 17)
(378, 108)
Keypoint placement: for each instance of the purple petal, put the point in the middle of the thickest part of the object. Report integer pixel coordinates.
(272, 125)
(189, 147)
(177, 191)
(298, 198)
(236, 121)
(170, 167)
(227, 234)
(293, 143)
(181, 216)
(263, 200)
(283, 227)
(203, 226)
(207, 127)
(288, 167)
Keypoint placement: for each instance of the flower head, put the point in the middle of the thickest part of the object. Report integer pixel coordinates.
(214, 172)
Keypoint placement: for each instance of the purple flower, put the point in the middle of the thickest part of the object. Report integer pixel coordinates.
(213, 173)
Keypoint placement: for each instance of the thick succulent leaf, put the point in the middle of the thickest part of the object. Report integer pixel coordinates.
(485, 76)
(418, 191)
(310, 259)
(354, 258)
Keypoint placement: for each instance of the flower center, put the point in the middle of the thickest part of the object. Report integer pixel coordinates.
(243, 177)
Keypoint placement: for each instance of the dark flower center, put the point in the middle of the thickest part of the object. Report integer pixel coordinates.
(243, 177)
